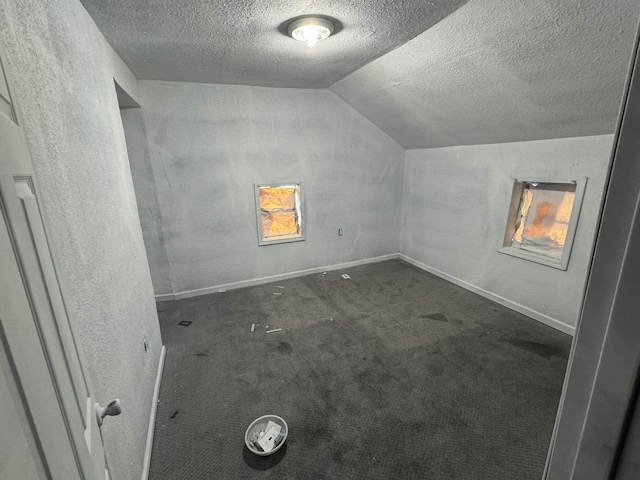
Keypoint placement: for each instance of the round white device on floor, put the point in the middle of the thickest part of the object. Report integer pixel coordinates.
(266, 435)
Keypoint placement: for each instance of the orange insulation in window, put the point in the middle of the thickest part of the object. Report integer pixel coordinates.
(283, 223)
(549, 222)
(277, 198)
(277, 205)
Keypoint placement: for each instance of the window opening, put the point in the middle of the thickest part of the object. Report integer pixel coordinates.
(542, 221)
(279, 213)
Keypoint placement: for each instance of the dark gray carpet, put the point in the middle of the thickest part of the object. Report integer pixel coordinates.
(391, 374)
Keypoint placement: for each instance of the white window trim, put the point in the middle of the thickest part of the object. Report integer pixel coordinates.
(514, 205)
(283, 239)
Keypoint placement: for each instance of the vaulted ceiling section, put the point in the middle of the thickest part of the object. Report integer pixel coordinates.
(429, 73)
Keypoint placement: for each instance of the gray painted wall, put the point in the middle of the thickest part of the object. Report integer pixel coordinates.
(63, 71)
(208, 144)
(455, 206)
(146, 196)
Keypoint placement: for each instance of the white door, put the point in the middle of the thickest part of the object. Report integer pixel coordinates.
(38, 354)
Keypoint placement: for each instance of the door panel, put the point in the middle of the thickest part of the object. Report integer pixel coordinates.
(51, 382)
(18, 453)
(58, 333)
(25, 352)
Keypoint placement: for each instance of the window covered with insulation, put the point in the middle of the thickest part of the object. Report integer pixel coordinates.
(542, 221)
(279, 213)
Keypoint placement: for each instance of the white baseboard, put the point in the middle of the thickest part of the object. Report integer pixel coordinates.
(165, 297)
(505, 302)
(541, 317)
(152, 416)
(272, 278)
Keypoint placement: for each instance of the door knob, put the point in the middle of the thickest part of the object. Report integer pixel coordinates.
(111, 410)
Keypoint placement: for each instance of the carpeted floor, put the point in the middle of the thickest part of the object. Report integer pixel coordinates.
(390, 374)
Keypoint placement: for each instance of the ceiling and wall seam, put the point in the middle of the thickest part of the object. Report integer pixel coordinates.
(351, 107)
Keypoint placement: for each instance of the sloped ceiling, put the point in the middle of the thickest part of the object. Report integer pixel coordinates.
(428, 73)
(502, 71)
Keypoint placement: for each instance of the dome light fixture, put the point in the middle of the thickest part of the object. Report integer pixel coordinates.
(310, 29)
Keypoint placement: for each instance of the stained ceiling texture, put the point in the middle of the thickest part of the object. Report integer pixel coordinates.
(429, 73)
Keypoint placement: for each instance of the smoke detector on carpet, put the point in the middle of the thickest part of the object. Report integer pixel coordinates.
(311, 29)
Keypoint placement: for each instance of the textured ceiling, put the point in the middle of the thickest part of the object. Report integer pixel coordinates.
(429, 73)
(241, 41)
(502, 71)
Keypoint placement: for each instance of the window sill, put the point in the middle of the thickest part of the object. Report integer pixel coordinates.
(534, 257)
(296, 237)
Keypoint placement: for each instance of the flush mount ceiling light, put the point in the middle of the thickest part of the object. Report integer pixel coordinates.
(310, 29)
